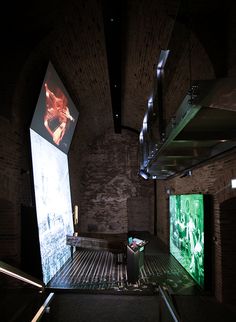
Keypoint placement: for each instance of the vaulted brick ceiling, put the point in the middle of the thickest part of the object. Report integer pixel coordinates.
(78, 50)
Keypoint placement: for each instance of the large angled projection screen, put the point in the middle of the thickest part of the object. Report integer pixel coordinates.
(53, 203)
(51, 133)
(187, 233)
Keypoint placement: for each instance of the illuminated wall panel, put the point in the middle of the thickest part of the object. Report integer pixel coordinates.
(187, 233)
(53, 203)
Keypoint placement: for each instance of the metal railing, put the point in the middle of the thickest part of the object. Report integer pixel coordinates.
(169, 305)
(43, 308)
(20, 275)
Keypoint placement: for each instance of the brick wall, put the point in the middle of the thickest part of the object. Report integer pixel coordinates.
(112, 197)
(103, 166)
(10, 177)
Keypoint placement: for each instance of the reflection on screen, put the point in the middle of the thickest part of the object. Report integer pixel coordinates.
(187, 233)
(53, 203)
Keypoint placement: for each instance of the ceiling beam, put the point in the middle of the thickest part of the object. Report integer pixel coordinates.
(112, 17)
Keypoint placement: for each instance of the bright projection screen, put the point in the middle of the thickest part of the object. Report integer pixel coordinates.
(53, 203)
(187, 233)
(55, 115)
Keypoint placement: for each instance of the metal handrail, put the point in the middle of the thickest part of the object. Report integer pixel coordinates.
(20, 275)
(43, 308)
(169, 305)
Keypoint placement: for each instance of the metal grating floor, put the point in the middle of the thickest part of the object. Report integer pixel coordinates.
(98, 271)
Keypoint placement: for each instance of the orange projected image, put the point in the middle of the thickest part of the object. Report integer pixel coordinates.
(57, 114)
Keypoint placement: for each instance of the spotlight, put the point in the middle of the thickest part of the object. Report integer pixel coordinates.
(187, 173)
(162, 59)
(144, 174)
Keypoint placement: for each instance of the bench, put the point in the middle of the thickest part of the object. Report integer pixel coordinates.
(114, 243)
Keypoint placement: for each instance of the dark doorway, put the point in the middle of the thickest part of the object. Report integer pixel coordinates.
(228, 242)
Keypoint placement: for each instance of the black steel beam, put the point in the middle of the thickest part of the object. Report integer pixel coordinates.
(112, 16)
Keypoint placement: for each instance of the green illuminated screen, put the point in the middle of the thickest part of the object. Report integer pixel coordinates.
(187, 233)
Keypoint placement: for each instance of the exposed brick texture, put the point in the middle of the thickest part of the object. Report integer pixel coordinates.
(112, 198)
(10, 191)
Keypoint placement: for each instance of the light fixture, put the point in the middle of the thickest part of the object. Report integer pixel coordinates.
(145, 119)
(170, 190)
(233, 183)
(162, 59)
(141, 137)
(150, 101)
(144, 174)
(187, 173)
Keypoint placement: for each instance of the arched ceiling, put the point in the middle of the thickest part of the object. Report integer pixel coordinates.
(109, 71)
(144, 28)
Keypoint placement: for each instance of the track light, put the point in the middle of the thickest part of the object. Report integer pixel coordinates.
(187, 173)
(144, 174)
(162, 59)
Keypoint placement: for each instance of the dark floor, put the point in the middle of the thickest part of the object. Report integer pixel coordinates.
(76, 305)
(104, 308)
(126, 308)
(98, 271)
